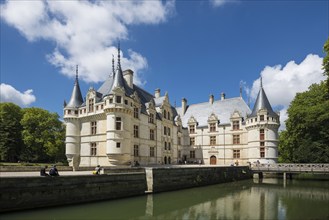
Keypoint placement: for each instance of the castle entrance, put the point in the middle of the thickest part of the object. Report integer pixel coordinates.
(213, 160)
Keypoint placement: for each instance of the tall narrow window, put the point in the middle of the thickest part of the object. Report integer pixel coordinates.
(168, 131)
(151, 134)
(236, 139)
(168, 116)
(212, 127)
(236, 125)
(192, 141)
(261, 134)
(212, 140)
(164, 113)
(261, 117)
(118, 123)
(93, 149)
(192, 129)
(91, 105)
(136, 151)
(236, 154)
(135, 112)
(93, 127)
(151, 118)
(169, 146)
(118, 144)
(192, 154)
(164, 130)
(136, 131)
(165, 147)
(152, 152)
(262, 152)
(118, 99)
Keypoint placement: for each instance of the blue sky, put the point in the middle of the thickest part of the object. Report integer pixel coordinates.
(189, 48)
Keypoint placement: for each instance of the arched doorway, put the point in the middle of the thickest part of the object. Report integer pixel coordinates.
(213, 160)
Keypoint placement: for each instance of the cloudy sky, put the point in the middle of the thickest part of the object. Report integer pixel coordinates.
(190, 49)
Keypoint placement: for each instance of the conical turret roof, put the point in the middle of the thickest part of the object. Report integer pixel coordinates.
(76, 97)
(262, 103)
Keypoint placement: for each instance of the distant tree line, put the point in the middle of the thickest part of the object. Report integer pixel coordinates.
(30, 135)
(306, 138)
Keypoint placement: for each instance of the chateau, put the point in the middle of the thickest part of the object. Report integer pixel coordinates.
(120, 123)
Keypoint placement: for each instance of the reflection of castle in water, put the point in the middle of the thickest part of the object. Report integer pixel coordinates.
(268, 200)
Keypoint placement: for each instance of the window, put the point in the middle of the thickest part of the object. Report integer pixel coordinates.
(126, 102)
(136, 151)
(135, 112)
(164, 113)
(151, 134)
(192, 154)
(91, 105)
(102, 106)
(212, 127)
(118, 144)
(236, 125)
(84, 110)
(262, 152)
(192, 129)
(164, 130)
(236, 154)
(96, 107)
(236, 139)
(165, 147)
(118, 99)
(168, 116)
(111, 100)
(192, 141)
(136, 131)
(262, 143)
(69, 112)
(168, 131)
(118, 123)
(261, 117)
(152, 152)
(93, 127)
(212, 140)
(261, 134)
(169, 146)
(76, 112)
(151, 118)
(179, 140)
(93, 149)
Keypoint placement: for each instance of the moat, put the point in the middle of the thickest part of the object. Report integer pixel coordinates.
(248, 199)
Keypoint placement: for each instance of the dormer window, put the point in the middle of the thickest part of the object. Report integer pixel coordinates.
(168, 116)
(212, 127)
(164, 113)
(151, 118)
(192, 129)
(91, 105)
(261, 117)
(118, 99)
(236, 125)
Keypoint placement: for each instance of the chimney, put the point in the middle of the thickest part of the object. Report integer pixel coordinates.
(157, 93)
(211, 99)
(128, 75)
(222, 96)
(184, 105)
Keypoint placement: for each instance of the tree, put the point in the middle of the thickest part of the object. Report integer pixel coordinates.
(43, 134)
(10, 132)
(306, 138)
(326, 65)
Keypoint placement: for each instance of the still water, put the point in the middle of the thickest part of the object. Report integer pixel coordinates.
(250, 199)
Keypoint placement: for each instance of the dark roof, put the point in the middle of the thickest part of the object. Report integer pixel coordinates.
(76, 97)
(262, 103)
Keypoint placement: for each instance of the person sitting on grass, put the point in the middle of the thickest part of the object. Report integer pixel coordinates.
(43, 171)
(53, 171)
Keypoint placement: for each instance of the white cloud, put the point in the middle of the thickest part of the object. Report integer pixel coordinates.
(218, 3)
(282, 83)
(10, 94)
(85, 31)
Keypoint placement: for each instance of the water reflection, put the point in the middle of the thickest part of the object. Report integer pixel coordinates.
(239, 200)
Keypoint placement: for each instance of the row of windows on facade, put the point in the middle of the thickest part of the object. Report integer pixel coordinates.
(236, 153)
(213, 125)
(236, 138)
(262, 118)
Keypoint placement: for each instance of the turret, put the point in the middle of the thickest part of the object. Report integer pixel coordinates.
(262, 126)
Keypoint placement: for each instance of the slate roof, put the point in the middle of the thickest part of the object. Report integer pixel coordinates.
(76, 97)
(262, 103)
(221, 108)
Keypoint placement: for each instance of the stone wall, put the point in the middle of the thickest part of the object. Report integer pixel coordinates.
(167, 179)
(33, 192)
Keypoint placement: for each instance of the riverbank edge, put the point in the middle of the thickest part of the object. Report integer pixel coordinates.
(21, 193)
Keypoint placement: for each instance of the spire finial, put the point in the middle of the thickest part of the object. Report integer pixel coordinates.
(76, 72)
(261, 82)
(119, 65)
(240, 90)
(113, 71)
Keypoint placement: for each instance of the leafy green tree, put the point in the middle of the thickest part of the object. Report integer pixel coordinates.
(306, 138)
(43, 134)
(10, 132)
(326, 65)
